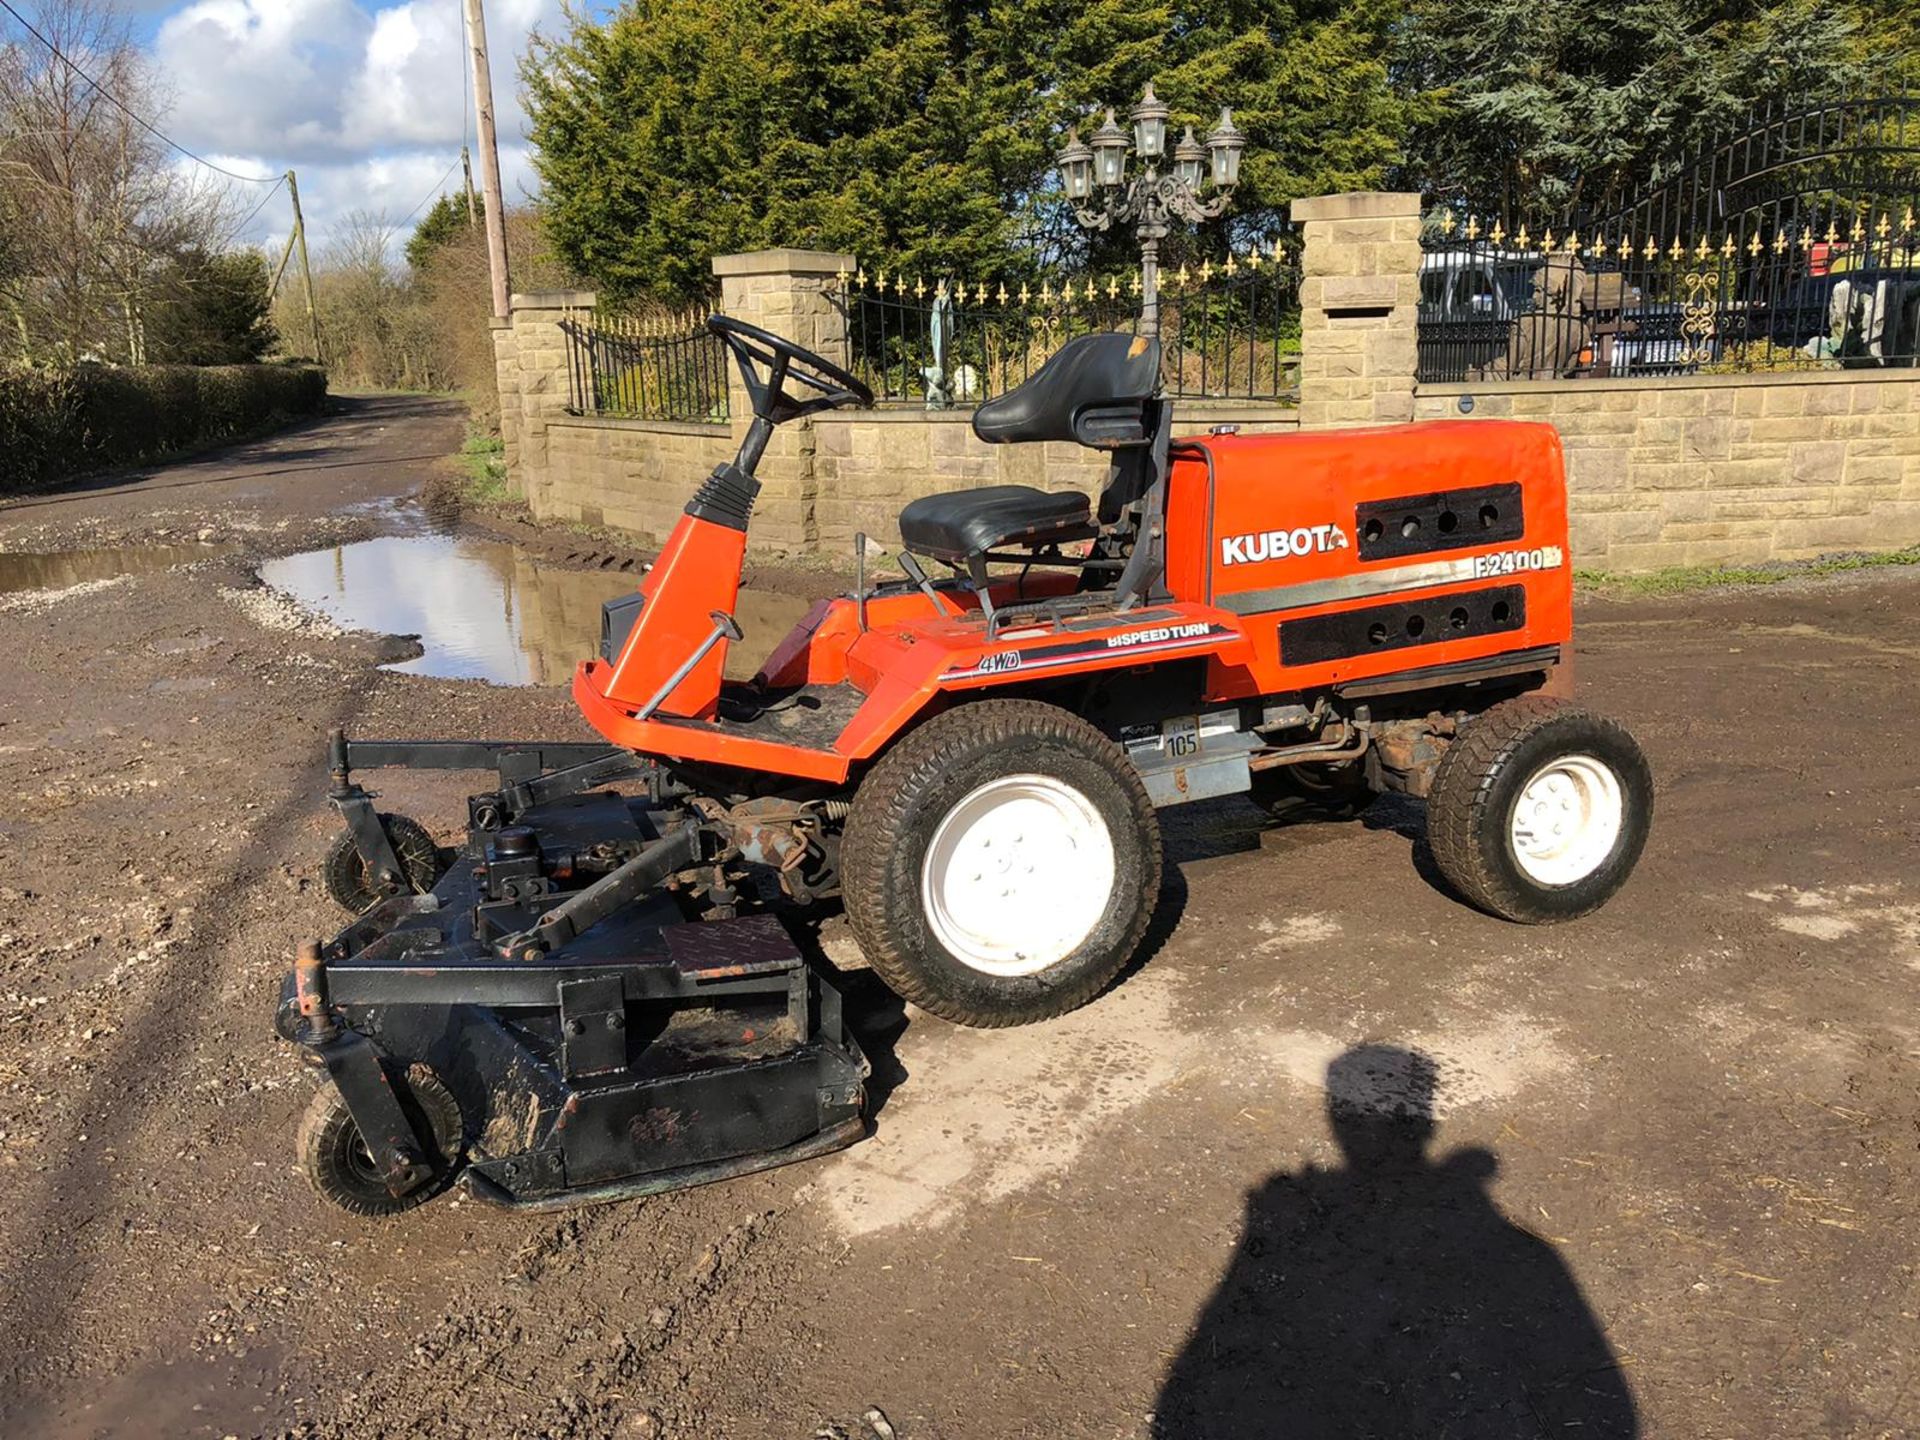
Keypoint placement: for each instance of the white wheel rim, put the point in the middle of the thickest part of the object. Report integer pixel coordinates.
(1017, 875)
(1567, 819)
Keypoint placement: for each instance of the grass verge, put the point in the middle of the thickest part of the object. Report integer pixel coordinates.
(1683, 579)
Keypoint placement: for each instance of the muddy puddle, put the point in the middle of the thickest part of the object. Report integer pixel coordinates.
(58, 569)
(486, 610)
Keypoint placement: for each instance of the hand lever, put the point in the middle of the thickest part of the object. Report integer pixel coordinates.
(724, 628)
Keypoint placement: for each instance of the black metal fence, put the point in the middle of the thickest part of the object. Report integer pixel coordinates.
(645, 367)
(1792, 245)
(1228, 332)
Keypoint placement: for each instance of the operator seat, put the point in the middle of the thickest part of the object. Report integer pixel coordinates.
(1094, 390)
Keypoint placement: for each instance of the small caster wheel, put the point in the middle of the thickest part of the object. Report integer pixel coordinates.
(339, 1166)
(347, 877)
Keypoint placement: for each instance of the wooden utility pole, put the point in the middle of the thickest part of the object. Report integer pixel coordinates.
(306, 268)
(466, 170)
(489, 157)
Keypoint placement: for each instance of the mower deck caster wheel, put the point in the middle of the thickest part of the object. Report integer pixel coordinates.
(354, 890)
(1539, 810)
(339, 1166)
(1001, 864)
(1313, 792)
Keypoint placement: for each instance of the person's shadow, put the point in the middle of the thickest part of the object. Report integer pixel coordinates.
(1391, 1298)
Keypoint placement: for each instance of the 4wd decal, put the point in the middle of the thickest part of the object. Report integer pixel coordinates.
(1280, 544)
(1151, 640)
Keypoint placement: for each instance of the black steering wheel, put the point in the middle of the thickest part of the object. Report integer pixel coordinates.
(767, 361)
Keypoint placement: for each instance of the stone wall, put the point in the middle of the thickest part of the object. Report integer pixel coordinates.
(634, 475)
(1732, 469)
(530, 365)
(1723, 469)
(1359, 297)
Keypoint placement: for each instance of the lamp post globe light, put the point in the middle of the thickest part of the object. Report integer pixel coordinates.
(1093, 173)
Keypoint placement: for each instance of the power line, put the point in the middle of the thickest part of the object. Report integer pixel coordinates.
(439, 185)
(234, 233)
(123, 108)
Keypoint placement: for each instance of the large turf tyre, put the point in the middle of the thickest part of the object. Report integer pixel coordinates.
(1313, 791)
(352, 885)
(1008, 936)
(1539, 810)
(338, 1165)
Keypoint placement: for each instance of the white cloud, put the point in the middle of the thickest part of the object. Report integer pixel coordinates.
(367, 104)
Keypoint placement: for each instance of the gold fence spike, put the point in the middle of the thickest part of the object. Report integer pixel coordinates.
(1253, 260)
(1180, 278)
(1206, 271)
(1754, 247)
(1133, 283)
(1230, 269)
(1679, 251)
(1520, 240)
(1446, 222)
(1473, 227)
(859, 278)
(1859, 231)
(1003, 291)
(920, 288)
(1113, 287)
(1779, 242)
(1833, 233)
(1546, 241)
(1906, 220)
(1497, 235)
(1573, 242)
(1702, 250)
(1885, 227)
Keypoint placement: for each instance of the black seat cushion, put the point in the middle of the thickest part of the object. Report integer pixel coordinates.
(1093, 389)
(967, 522)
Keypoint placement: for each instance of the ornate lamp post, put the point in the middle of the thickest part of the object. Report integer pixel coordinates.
(1094, 176)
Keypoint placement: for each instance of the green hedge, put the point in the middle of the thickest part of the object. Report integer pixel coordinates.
(55, 423)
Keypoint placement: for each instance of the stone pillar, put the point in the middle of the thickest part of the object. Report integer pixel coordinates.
(786, 292)
(530, 358)
(1359, 298)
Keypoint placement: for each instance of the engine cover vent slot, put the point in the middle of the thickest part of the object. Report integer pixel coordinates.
(1402, 626)
(1444, 520)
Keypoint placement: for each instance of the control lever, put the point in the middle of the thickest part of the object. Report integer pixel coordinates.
(724, 628)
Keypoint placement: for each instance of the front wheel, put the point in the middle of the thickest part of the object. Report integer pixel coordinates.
(339, 1166)
(1001, 863)
(1539, 811)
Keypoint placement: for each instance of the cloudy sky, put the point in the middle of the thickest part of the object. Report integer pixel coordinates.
(364, 101)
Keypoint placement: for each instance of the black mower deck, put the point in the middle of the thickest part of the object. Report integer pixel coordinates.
(645, 1053)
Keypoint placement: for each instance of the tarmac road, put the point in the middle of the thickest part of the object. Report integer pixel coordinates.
(1665, 1186)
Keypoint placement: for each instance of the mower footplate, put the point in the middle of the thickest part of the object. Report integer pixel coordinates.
(644, 1054)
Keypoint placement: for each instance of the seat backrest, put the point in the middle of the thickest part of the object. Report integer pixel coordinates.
(1094, 390)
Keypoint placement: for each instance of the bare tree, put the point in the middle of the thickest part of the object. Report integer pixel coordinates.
(91, 206)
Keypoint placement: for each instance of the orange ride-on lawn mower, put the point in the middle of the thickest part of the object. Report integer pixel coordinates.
(590, 1001)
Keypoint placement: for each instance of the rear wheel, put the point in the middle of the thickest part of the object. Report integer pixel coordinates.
(352, 884)
(1001, 863)
(1539, 811)
(337, 1163)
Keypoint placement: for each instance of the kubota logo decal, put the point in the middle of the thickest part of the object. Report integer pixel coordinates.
(1280, 544)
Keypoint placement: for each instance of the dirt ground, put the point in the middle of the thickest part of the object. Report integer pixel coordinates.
(1669, 1189)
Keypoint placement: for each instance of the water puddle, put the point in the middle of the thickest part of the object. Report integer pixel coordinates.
(486, 610)
(59, 569)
